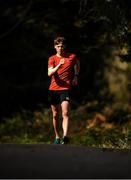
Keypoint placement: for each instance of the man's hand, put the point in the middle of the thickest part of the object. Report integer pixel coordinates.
(52, 70)
(62, 61)
(75, 81)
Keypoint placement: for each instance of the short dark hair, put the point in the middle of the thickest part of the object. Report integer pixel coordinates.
(59, 39)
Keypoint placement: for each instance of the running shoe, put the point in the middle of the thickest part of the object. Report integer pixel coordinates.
(57, 141)
(65, 140)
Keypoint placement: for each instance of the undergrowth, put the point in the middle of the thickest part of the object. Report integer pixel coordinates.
(36, 127)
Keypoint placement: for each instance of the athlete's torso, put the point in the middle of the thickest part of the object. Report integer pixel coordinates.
(62, 78)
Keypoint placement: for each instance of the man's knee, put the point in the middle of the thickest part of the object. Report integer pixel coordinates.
(55, 114)
(65, 114)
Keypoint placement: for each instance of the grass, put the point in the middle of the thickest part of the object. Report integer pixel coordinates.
(36, 127)
(104, 138)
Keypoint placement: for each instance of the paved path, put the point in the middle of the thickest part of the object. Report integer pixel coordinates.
(62, 161)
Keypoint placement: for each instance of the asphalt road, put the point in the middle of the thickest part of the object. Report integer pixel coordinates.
(40, 161)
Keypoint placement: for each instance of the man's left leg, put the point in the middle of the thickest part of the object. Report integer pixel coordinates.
(65, 116)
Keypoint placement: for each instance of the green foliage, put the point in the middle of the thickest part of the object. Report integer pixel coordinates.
(36, 127)
(27, 127)
(99, 32)
(104, 138)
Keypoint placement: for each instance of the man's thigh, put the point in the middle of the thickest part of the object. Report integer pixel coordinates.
(54, 98)
(64, 96)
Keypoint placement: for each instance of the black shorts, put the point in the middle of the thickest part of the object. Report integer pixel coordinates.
(56, 97)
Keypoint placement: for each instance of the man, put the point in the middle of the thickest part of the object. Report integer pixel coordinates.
(63, 68)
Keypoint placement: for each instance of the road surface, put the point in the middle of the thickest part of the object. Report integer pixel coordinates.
(34, 161)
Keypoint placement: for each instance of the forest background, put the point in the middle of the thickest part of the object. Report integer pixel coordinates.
(99, 32)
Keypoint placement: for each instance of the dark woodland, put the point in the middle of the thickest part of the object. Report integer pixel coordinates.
(98, 31)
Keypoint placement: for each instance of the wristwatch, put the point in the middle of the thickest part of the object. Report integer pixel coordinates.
(76, 75)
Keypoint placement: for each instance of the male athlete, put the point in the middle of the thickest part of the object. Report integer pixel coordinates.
(63, 68)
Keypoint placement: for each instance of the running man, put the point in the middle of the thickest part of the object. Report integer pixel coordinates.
(63, 68)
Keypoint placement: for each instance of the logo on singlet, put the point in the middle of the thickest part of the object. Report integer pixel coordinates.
(67, 98)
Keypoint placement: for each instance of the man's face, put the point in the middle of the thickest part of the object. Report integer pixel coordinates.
(60, 48)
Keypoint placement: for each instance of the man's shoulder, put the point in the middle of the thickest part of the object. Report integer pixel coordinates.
(71, 55)
(52, 57)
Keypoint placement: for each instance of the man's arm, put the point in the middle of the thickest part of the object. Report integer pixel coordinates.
(52, 70)
(77, 68)
(76, 73)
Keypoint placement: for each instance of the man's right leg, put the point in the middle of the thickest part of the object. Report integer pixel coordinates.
(55, 112)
